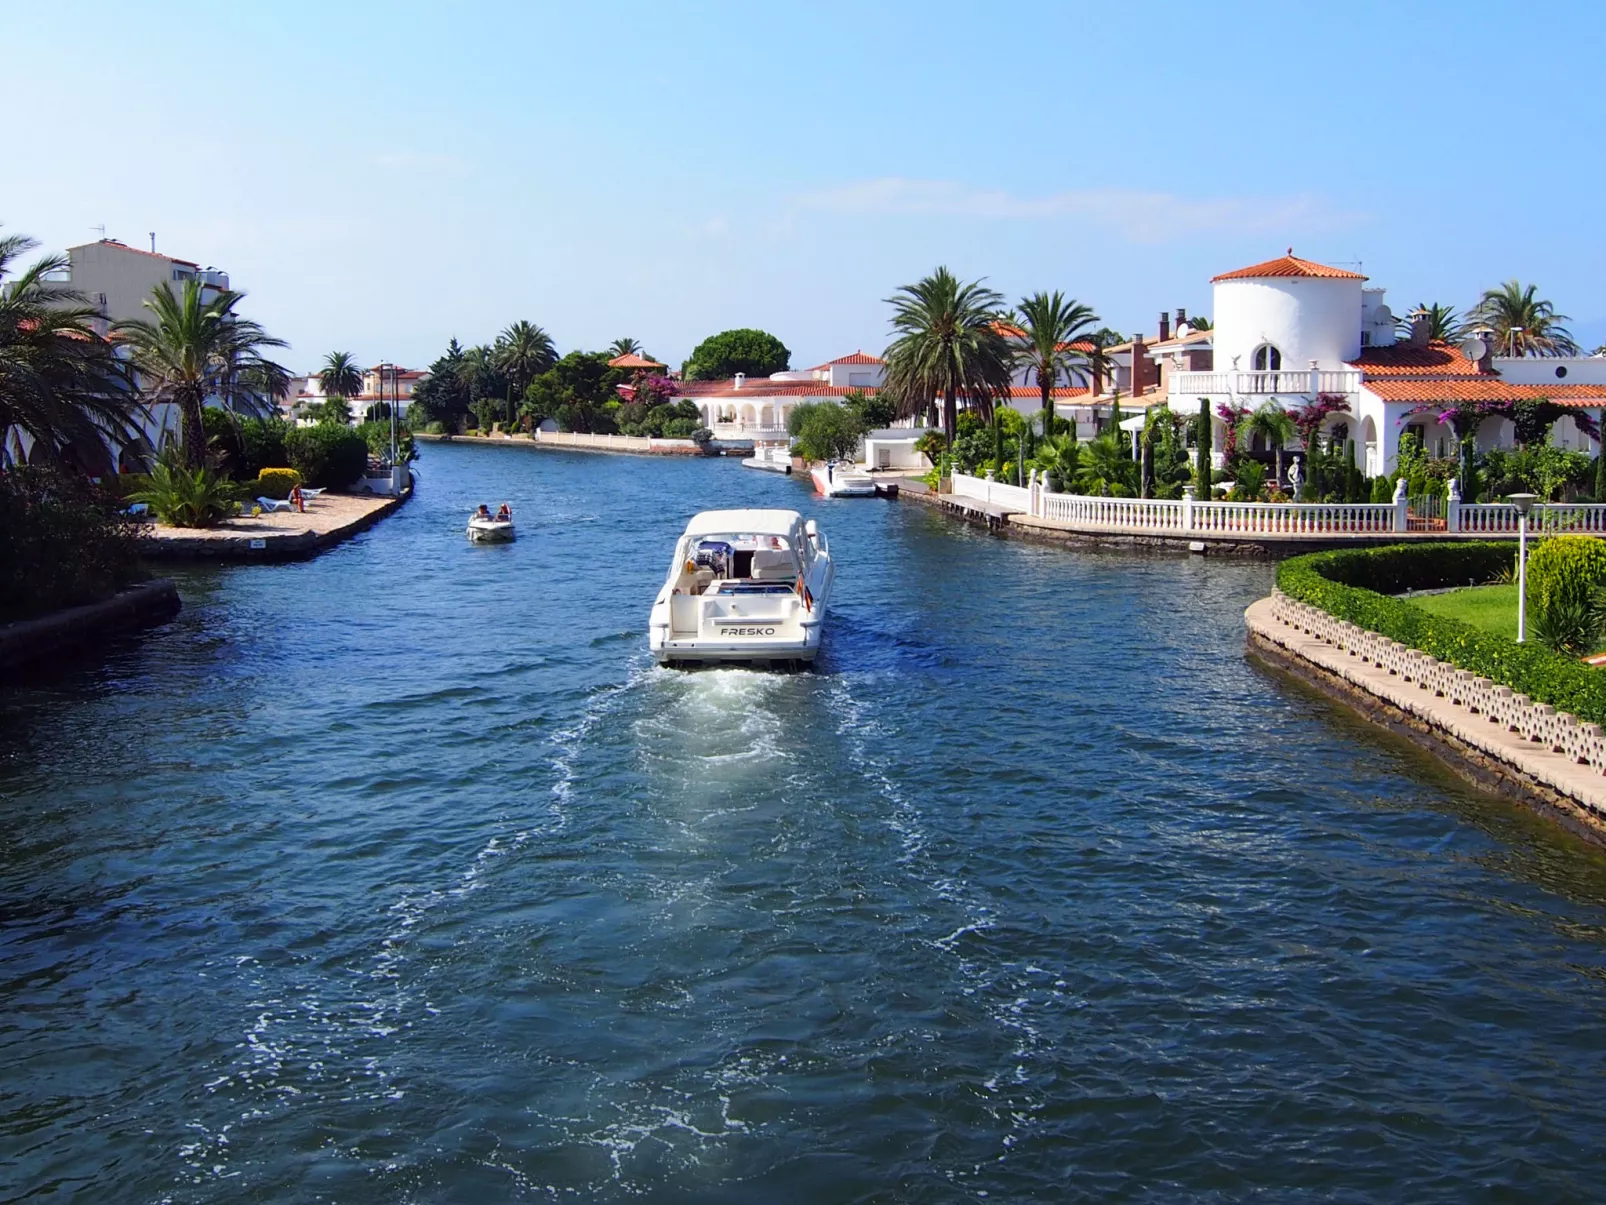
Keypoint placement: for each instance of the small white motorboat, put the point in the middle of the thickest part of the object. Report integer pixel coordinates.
(491, 530)
(771, 458)
(745, 586)
(842, 479)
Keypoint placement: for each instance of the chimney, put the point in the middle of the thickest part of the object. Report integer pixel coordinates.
(1420, 329)
(1165, 326)
(741, 379)
(1141, 368)
(1182, 316)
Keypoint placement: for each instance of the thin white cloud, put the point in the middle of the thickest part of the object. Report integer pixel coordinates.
(423, 161)
(1144, 217)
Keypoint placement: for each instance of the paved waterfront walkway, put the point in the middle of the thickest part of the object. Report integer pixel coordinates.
(1526, 759)
(329, 518)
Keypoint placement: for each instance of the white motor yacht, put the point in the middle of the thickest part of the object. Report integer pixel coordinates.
(842, 479)
(745, 586)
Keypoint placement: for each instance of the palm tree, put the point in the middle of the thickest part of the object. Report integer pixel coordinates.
(192, 350)
(1196, 324)
(59, 379)
(1523, 324)
(1274, 425)
(624, 347)
(1444, 324)
(340, 376)
(1053, 325)
(1103, 466)
(523, 352)
(946, 346)
(265, 383)
(1100, 366)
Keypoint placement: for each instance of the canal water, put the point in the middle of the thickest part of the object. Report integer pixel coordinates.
(402, 875)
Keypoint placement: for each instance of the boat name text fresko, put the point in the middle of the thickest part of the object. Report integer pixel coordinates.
(747, 631)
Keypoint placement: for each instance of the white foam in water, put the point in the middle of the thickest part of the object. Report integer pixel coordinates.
(999, 988)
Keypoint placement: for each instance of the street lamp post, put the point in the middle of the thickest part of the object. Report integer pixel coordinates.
(1524, 503)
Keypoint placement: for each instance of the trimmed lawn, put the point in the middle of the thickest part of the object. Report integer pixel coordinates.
(1492, 608)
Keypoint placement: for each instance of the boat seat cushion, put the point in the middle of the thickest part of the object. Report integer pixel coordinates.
(773, 565)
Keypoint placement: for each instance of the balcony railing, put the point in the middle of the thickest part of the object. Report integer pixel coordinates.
(1301, 382)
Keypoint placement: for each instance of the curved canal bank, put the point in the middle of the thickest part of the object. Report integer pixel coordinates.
(402, 874)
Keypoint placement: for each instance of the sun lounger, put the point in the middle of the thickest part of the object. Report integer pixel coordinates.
(269, 505)
(311, 494)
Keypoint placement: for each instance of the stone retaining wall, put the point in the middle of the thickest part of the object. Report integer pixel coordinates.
(1549, 751)
(33, 640)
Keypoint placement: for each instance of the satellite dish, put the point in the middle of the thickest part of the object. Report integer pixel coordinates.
(1474, 348)
(1383, 316)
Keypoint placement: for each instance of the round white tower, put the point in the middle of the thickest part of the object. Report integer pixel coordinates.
(1284, 313)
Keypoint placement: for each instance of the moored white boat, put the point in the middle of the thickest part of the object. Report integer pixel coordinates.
(744, 586)
(772, 458)
(490, 531)
(841, 479)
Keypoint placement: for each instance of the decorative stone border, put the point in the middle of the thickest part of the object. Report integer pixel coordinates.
(1534, 743)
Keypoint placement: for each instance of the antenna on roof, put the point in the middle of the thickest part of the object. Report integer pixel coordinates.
(102, 229)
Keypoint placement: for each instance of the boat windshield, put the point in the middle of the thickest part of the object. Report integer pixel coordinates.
(739, 562)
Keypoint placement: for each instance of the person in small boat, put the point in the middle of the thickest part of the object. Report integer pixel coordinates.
(484, 512)
(504, 513)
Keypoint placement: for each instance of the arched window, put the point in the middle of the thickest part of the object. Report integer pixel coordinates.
(1267, 358)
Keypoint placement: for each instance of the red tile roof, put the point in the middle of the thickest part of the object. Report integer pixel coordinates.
(858, 357)
(1487, 388)
(765, 388)
(1061, 392)
(632, 360)
(1289, 265)
(1403, 360)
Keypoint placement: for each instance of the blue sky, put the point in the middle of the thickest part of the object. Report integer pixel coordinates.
(381, 177)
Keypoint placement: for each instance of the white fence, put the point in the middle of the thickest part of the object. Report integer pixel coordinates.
(614, 443)
(1010, 497)
(1289, 520)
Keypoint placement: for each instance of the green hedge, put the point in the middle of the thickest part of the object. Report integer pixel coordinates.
(326, 455)
(1353, 585)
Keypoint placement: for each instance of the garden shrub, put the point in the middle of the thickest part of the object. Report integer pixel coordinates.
(187, 497)
(1352, 584)
(63, 542)
(277, 483)
(263, 442)
(327, 456)
(1564, 571)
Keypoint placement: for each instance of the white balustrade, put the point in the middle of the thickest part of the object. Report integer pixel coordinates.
(1324, 520)
(1296, 381)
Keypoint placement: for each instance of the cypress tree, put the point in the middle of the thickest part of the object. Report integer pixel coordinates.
(998, 447)
(1600, 462)
(1201, 470)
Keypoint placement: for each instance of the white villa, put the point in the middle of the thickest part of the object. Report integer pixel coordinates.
(1290, 330)
(116, 279)
(381, 383)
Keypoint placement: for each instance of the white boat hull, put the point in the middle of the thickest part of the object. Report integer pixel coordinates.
(489, 531)
(768, 611)
(839, 481)
(768, 466)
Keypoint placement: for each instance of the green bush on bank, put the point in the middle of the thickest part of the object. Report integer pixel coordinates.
(63, 542)
(1564, 571)
(327, 456)
(277, 483)
(1353, 584)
